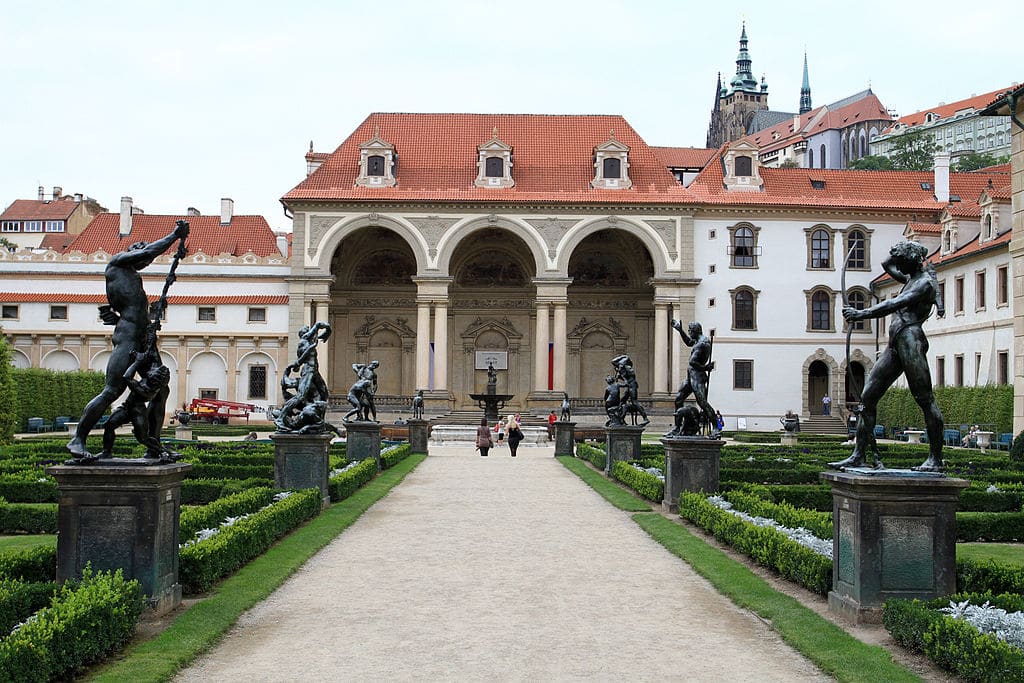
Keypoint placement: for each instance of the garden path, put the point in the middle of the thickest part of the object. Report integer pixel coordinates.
(497, 568)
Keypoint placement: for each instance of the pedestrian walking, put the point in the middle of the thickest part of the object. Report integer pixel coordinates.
(484, 442)
(500, 428)
(515, 433)
(826, 405)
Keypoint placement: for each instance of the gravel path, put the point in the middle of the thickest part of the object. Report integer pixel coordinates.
(497, 568)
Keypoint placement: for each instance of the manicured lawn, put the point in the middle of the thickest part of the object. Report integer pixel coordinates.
(1011, 553)
(10, 544)
(618, 497)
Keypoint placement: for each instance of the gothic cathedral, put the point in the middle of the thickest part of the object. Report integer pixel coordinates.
(736, 105)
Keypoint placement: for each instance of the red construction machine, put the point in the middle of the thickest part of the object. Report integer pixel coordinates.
(217, 412)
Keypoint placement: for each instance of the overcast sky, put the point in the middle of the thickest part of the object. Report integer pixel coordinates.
(180, 103)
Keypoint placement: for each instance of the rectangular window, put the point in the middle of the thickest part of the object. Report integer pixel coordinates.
(940, 371)
(257, 381)
(977, 368)
(942, 294)
(958, 295)
(59, 312)
(208, 393)
(11, 226)
(743, 374)
(54, 226)
(257, 314)
(33, 226)
(979, 290)
(958, 370)
(1004, 367)
(207, 314)
(1002, 286)
(9, 312)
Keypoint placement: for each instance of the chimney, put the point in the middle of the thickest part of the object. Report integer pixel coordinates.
(796, 122)
(282, 244)
(126, 217)
(942, 177)
(78, 197)
(42, 193)
(192, 211)
(227, 210)
(58, 191)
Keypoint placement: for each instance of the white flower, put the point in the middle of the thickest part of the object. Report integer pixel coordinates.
(800, 534)
(1006, 626)
(992, 488)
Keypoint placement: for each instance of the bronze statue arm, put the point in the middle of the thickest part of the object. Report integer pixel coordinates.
(151, 250)
(895, 273)
(678, 327)
(905, 298)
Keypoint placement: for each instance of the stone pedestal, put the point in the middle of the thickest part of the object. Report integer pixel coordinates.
(363, 441)
(419, 430)
(788, 439)
(565, 434)
(183, 433)
(301, 461)
(122, 514)
(894, 537)
(691, 464)
(621, 443)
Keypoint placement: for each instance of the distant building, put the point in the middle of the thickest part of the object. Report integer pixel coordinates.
(46, 222)
(736, 105)
(958, 129)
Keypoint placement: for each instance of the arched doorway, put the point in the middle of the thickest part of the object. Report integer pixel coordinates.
(854, 382)
(817, 386)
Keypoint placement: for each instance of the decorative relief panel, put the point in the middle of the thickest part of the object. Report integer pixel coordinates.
(380, 302)
(667, 231)
(318, 227)
(432, 228)
(551, 230)
(492, 304)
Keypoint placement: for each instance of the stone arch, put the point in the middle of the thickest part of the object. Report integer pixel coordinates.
(856, 357)
(591, 346)
(457, 234)
(242, 386)
(207, 370)
(656, 248)
(325, 238)
(20, 360)
(812, 404)
(490, 334)
(60, 360)
(393, 343)
(99, 361)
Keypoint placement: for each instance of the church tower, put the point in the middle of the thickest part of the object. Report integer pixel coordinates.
(805, 90)
(736, 105)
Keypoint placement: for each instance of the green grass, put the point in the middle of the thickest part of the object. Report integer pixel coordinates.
(13, 544)
(831, 648)
(198, 629)
(1011, 553)
(618, 497)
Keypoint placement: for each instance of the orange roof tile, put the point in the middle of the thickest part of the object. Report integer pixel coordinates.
(685, 157)
(867, 108)
(57, 241)
(244, 234)
(35, 210)
(552, 160)
(924, 228)
(62, 298)
(976, 102)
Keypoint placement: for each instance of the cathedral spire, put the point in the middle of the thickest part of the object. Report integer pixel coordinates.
(805, 90)
(718, 92)
(744, 79)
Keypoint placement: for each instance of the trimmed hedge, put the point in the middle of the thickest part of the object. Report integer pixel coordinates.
(954, 644)
(203, 470)
(85, 622)
(202, 564)
(765, 546)
(992, 403)
(28, 518)
(34, 564)
(210, 516)
(393, 456)
(645, 484)
(27, 488)
(595, 456)
(343, 485)
(818, 523)
(994, 527)
(979, 576)
(49, 393)
(20, 599)
(204, 491)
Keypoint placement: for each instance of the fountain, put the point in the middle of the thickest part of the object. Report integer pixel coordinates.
(491, 402)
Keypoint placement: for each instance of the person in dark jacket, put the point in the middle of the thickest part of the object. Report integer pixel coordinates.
(483, 437)
(515, 435)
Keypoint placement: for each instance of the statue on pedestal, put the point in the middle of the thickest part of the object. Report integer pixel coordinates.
(626, 375)
(566, 408)
(697, 376)
(361, 394)
(417, 405)
(613, 406)
(135, 349)
(906, 354)
(306, 395)
(492, 379)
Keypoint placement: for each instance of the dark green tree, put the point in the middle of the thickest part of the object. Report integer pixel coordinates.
(978, 160)
(789, 163)
(913, 151)
(8, 412)
(872, 163)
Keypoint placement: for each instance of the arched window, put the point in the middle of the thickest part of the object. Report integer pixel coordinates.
(863, 145)
(495, 167)
(859, 300)
(744, 244)
(375, 165)
(988, 227)
(743, 166)
(858, 242)
(821, 154)
(821, 249)
(821, 311)
(612, 168)
(743, 317)
(810, 158)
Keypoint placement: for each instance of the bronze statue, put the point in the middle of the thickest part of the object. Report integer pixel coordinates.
(361, 394)
(306, 397)
(566, 408)
(691, 418)
(128, 310)
(492, 378)
(417, 405)
(697, 375)
(613, 406)
(625, 374)
(906, 354)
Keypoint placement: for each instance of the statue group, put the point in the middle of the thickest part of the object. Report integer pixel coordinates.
(361, 394)
(621, 396)
(698, 375)
(305, 393)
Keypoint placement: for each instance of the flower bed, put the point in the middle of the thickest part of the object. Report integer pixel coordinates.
(349, 480)
(195, 519)
(390, 457)
(20, 599)
(595, 456)
(646, 484)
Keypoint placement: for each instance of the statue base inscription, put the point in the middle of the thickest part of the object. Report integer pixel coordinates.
(119, 514)
(302, 461)
(363, 441)
(894, 537)
(621, 443)
(565, 435)
(691, 464)
(419, 430)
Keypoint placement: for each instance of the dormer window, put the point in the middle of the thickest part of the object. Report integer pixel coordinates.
(377, 161)
(494, 163)
(742, 167)
(948, 241)
(611, 165)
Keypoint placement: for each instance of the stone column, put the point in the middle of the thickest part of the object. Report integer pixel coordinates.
(233, 371)
(661, 360)
(559, 334)
(540, 350)
(677, 343)
(422, 344)
(324, 352)
(440, 346)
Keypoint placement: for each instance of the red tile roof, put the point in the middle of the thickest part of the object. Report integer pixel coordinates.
(685, 157)
(976, 102)
(552, 160)
(61, 298)
(57, 241)
(35, 210)
(867, 108)
(924, 228)
(244, 234)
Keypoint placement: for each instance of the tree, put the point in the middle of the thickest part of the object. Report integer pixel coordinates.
(789, 163)
(8, 414)
(872, 163)
(913, 151)
(978, 160)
